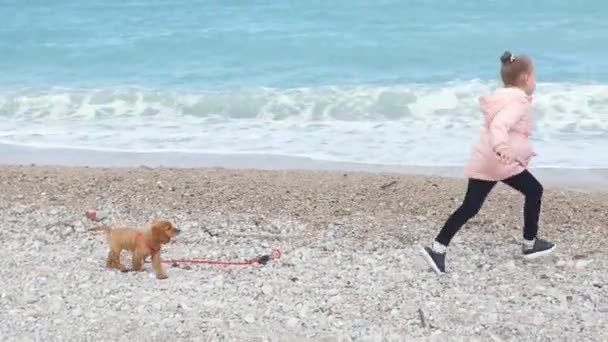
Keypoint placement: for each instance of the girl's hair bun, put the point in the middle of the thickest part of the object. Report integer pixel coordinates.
(506, 58)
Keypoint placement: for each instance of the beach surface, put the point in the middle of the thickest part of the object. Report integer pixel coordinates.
(350, 267)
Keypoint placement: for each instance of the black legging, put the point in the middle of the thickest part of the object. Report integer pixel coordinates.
(478, 190)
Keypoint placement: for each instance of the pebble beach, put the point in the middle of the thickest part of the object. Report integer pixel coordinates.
(350, 268)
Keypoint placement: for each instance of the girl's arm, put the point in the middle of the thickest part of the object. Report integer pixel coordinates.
(501, 125)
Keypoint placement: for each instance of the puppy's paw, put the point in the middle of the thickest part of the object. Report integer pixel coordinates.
(162, 276)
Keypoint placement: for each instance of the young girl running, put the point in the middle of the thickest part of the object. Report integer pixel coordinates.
(501, 154)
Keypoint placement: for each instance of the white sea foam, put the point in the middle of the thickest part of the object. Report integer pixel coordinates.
(402, 124)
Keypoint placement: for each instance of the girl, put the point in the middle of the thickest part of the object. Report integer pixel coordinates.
(502, 153)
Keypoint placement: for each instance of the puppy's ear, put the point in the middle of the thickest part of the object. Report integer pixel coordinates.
(161, 231)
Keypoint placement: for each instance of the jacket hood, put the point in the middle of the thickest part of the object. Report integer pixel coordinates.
(493, 103)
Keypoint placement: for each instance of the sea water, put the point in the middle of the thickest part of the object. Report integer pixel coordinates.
(366, 81)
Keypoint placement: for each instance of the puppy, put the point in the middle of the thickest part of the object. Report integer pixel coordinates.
(141, 243)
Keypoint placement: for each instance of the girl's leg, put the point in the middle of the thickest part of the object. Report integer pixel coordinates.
(477, 191)
(533, 190)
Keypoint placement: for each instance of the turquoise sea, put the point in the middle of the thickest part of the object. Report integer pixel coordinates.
(382, 82)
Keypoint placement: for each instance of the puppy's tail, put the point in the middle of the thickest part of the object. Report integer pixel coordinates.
(103, 228)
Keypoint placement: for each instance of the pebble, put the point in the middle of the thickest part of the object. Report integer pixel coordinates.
(55, 304)
(538, 320)
(31, 299)
(249, 318)
(77, 312)
(291, 322)
(303, 311)
(65, 231)
(267, 289)
(510, 265)
(582, 263)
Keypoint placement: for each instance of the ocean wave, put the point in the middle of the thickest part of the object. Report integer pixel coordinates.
(404, 124)
(580, 104)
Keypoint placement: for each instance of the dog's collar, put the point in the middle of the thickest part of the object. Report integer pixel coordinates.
(141, 237)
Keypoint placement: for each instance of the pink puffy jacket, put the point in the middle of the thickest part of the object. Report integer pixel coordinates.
(507, 123)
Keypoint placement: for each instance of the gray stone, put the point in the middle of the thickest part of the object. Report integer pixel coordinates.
(291, 322)
(267, 289)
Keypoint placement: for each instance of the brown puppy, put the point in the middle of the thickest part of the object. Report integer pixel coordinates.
(140, 243)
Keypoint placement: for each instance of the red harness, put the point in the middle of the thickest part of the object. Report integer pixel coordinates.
(141, 237)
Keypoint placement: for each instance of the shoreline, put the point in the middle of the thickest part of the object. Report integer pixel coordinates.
(574, 178)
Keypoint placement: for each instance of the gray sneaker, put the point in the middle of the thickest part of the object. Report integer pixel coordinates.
(540, 248)
(434, 259)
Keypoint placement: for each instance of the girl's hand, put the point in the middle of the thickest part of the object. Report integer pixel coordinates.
(504, 154)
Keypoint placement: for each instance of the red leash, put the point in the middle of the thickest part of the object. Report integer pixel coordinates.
(275, 254)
